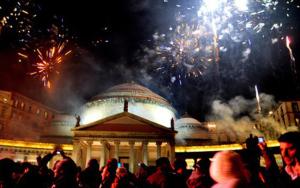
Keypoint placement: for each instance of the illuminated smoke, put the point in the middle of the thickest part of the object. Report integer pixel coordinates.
(240, 115)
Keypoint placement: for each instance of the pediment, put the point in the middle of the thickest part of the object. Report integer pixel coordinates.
(124, 122)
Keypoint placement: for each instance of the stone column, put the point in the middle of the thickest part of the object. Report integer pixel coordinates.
(145, 152)
(158, 149)
(172, 151)
(117, 149)
(103, 153)
(88, 152)
(76, 150)
(131, 156)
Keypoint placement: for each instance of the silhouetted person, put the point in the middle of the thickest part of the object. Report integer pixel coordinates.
(181, 173)
(6, 170)
(90, 177)
(30, 177)
(200, 177)
(163, 176)
(109, 173)
(65, 174)
(142, 175)
(122, 179)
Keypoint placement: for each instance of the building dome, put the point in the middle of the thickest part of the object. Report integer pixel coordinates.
(190, 129)
(141, 101)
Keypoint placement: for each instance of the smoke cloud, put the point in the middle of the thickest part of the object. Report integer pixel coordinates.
(241, 117)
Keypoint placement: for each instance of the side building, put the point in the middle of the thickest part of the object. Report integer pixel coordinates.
(288, 114)
(24, 119)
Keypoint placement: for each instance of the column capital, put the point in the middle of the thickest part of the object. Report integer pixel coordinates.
(103, 142)
(117, 142)
(131, 143)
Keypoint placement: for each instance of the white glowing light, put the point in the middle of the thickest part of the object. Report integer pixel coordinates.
(211, 5)
(155, 113)
(241, 5)
(211, 125)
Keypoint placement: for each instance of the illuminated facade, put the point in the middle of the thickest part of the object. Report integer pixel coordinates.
(127, 137)
(127, 121)
(288, 114)
(22, 118)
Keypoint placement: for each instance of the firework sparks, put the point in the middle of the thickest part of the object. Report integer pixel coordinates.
(204, 34)
(17, 16)
(257, 100)
(292, 58)
(48, 61)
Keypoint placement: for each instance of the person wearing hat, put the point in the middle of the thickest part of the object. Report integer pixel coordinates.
(200, 177)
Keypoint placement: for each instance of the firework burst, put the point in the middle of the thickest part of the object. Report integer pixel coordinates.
(47, 63)
(18, 16)
(292, 58)
(212, 29)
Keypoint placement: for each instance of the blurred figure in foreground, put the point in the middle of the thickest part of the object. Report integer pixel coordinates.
(228, 170)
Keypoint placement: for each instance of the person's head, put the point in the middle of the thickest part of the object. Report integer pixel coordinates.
(289, 147)
(142, 171)
(163, 164)
(65, 167)
(202, 165)
(228, 165)
(93, 164)
(112, 165)
(180, 165)
(121, 172)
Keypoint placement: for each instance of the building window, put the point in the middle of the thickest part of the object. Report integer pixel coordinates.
(22, 105)
(5, 100)
(295, 107)
(16, 103)
(45, 115)
(29, 109)
(297, 122)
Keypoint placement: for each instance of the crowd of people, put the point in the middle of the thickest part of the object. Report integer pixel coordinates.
(227, 169)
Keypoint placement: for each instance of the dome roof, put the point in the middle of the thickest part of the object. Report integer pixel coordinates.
(190, 128)
(141, 101)
(187, 121)
(131, 91)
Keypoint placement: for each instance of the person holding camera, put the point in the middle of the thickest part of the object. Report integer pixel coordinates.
(289, 175)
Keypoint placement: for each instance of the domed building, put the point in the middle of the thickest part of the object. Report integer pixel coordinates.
(128, 122)
(141, 101)
(191, 132)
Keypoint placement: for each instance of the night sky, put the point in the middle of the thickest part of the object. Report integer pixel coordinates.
(110, 42)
